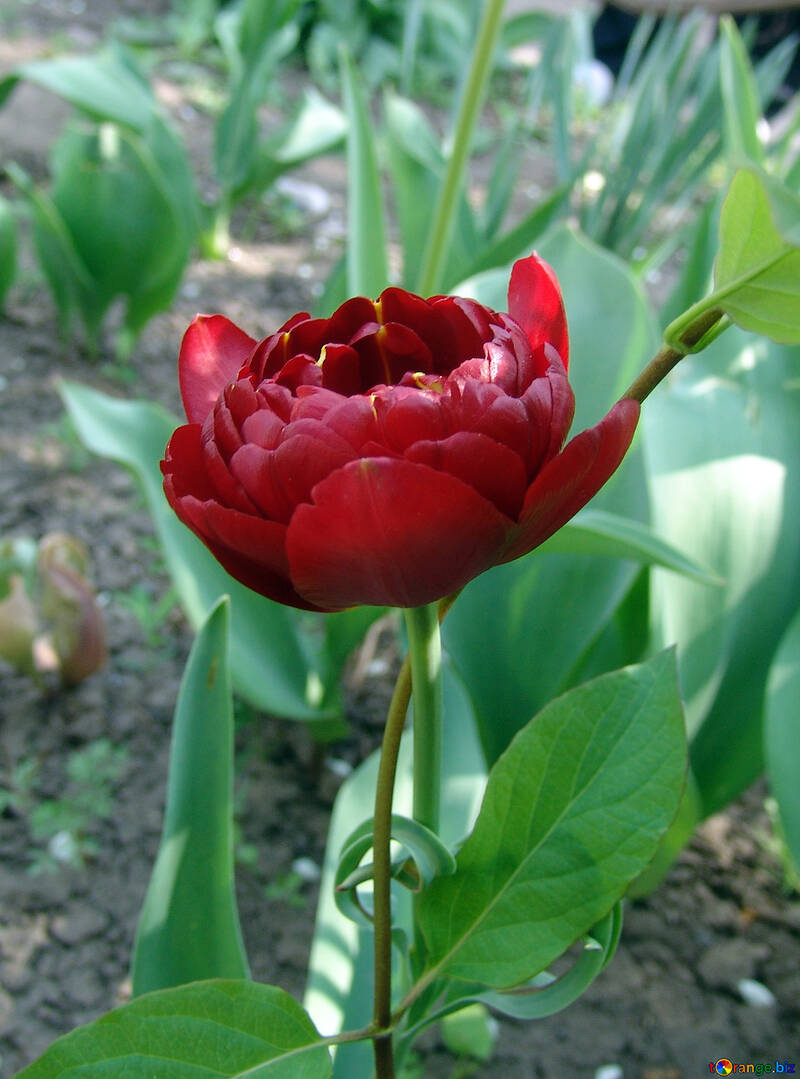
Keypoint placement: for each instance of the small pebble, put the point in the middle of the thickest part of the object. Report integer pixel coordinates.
(306, 869)
(609, 1071)
(755, 994)
(63, 847)
(340, 768)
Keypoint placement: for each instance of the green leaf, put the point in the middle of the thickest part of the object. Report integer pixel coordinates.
(367, 269)
(757, 271)
(103, 86)
(417, 164)
(67, 276)
(339, 993)
(132, 253)
(547, 994)
(268, 661)
(740, 99)
(594, 532)
(780, 734)
(236, 136)
(8, 249)
(573, 811)
(720, 440)
(220, 1028)
(189, 924)
(520, 239)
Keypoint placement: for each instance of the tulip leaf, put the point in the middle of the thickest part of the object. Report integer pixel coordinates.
(189, 923)
(269, 664)
(236, 138)
(8, 249)
(222, 1028)
(140, 254)
(595, 532)
(757, 270)
(104, 86)
(740, 99)
(720, 441)
(573, 811)
(780, 735)
(67, 276)
(367, 269)
(339, 993)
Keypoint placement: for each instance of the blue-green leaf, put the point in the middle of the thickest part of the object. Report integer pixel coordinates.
(189, 923)
(782, 747)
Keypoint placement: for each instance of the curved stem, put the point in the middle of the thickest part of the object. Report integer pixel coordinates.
(428, 619)
(382, 871)
(471, 100)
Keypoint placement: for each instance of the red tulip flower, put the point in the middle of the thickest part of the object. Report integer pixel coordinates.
(389, 453)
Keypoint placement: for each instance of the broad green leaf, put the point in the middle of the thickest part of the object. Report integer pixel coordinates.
(594, 532)
(742, 109)
(367, 269)
(189, 924)
(689, 815)
(782, 747)
(519, 607)
(268, 663)
(234, 1029)
(339, 993)
(720, 440)
(8, 249)
(103, 86)
(573, 811)
(757, 271)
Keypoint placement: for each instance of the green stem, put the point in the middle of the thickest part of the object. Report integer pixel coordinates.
(693, 336)
(471, 100)
(425, 652)
(382, 872)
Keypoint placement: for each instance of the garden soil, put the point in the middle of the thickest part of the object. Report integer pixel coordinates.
(671, 1002)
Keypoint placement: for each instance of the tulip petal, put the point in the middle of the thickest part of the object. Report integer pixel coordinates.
(567, 483)
(183, 465)
(250, 549)
(383, 531)
(534, 301)
(212, 351)
(495, 471)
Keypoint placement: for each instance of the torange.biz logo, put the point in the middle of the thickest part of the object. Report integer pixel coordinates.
(728, 1067)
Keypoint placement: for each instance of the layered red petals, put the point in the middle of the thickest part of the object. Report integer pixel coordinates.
(387, 531)
(389, 454)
